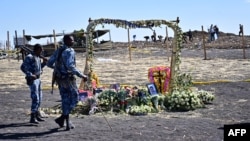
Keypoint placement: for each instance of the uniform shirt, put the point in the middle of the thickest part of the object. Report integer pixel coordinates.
(66, 63)
(32, 65)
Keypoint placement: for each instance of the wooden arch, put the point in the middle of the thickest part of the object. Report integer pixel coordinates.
(175, 60)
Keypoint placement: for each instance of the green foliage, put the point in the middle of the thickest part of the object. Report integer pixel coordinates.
(154, 101)
(107, 98)
(121, 95)
(179, 100)
(141, 101)
(143, 97)
(79, 38)
(183, 81)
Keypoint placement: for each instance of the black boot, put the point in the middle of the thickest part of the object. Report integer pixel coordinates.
(60, 120)
(69, 124)
(33, 118)
(38, 117)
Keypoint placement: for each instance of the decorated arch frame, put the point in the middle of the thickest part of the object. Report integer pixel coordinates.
(176, 49)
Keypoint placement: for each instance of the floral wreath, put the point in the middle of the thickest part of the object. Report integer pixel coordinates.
(162, 68)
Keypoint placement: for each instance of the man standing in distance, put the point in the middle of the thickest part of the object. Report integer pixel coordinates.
(64, 65)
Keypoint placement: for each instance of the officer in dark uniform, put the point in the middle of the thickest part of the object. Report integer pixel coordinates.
(64, 65)
(32, 67)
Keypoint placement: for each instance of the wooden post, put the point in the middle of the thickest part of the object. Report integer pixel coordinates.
(173, 62)
(8, 39)
(24, 37)
(203, 43)
(8, 44)
(243, 43)
(54, 34)
(16, 45)
(97, 36)
(166, 40)
(23, 53)
(129, 47)
(109, 36)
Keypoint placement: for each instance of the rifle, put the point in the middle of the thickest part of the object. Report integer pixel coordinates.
(28, 50)
(54, 77)
(53, 81)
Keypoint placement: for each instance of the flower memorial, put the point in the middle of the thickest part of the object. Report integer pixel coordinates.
(89, 65)
(174, 91)
(138, 101)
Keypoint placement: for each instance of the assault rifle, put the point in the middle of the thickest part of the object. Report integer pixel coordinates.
(28, 50)
(53, 81)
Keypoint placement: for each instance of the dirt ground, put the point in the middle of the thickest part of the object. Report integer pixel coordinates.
(231, 106)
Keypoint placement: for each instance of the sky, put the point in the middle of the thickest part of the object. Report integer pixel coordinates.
(40, 17)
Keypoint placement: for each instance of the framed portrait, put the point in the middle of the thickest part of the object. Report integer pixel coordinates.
(152, 89)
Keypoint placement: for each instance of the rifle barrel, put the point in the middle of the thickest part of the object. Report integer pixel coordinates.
(27, 49)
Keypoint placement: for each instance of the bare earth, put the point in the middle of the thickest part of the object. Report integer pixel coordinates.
(231, 104)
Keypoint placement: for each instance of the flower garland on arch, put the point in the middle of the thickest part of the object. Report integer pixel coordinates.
(131, 25)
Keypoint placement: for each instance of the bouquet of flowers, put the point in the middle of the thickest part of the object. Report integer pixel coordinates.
(183, 100)
(139, 110)
(205, 96)
(107, 97)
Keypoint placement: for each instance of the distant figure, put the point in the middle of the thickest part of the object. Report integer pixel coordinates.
(190, 35)
(153, 37)
(184, 37)
(160, 37)
(241, 30)
(211, 31)
(216, 31)
(134, 37)
(89, 20)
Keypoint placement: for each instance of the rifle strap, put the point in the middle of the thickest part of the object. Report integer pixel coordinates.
(59, 55)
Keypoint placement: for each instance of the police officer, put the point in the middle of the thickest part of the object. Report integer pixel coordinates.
(32, 67)
(64, 65)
